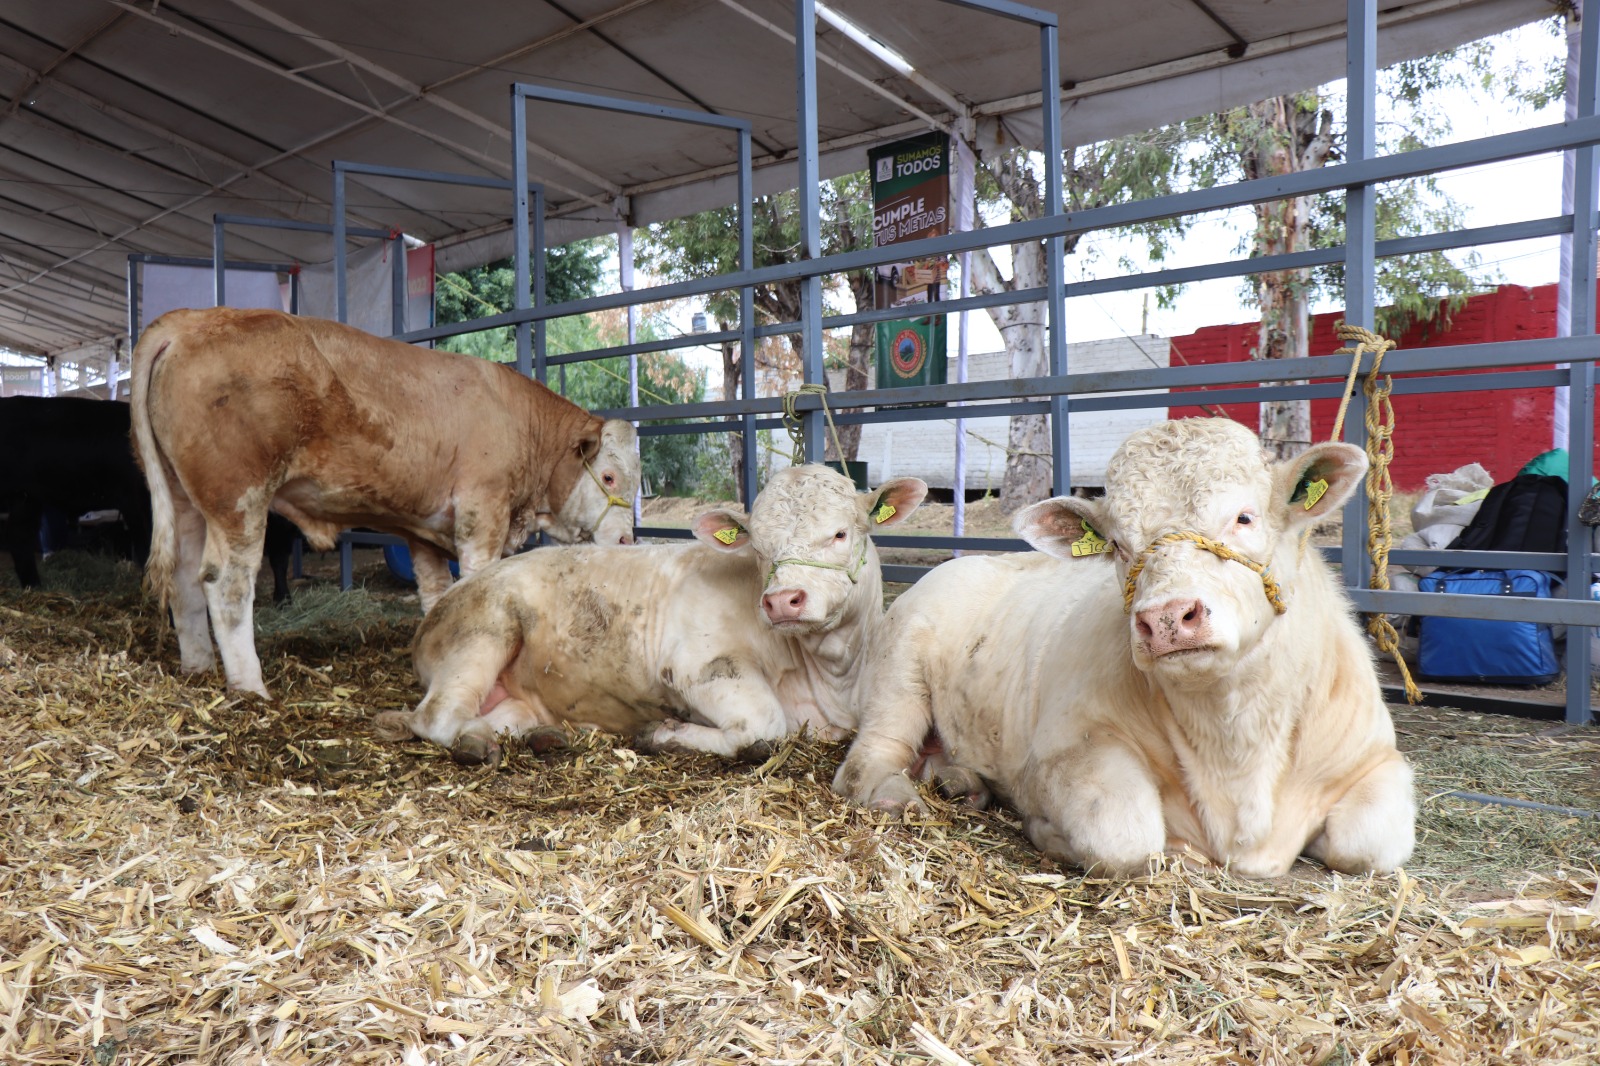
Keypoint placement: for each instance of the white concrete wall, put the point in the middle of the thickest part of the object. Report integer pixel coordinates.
(927, 449)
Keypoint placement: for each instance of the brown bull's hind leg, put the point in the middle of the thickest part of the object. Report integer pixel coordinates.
(195, 652)
(228, 576)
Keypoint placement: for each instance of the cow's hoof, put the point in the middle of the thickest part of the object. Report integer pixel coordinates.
(545, 739)
(470, 750)
(960, 785)
(897, 795)
(756, 752)
(647, 741)
(392, 726)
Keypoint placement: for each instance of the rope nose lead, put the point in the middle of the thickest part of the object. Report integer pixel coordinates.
(1220, 550)
(612, 500)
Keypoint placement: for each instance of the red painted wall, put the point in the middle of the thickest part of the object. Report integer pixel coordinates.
(1434, 433)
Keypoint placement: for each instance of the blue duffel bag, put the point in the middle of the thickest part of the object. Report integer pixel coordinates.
(1483, 651)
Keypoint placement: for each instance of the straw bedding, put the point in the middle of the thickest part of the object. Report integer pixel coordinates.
(189, 877)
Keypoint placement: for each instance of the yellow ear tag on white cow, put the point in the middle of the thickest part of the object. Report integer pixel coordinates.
(884, 512)
(729, 535)
(1314, 492)
(1091, 543)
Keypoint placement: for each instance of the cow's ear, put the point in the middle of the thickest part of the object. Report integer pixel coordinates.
(723, 530)
(587, 446)
(893, 501)
(1067, 527)
(1319, 480)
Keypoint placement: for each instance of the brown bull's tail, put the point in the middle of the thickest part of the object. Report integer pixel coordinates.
(163, 528)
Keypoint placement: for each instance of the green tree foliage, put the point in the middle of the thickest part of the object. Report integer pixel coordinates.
(572, 272)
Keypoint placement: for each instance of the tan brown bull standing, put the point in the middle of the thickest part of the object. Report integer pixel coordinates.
(238, 412)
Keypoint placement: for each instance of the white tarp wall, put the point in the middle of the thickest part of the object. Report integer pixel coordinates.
(926, 449)
(164, 287)
(369, 289)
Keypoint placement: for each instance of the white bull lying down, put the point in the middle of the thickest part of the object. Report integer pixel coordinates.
(1153, 687)
(744, 638)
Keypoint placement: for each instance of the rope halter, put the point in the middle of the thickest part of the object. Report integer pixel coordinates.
(853, 571)
(612, 500)
(1215, 547)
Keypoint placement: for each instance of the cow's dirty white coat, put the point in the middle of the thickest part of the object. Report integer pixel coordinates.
(235, 412)
(714, 646)
(1244, 735)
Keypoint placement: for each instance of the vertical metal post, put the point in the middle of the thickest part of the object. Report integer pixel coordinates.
(1054, 257)
(341, 301)
(625, 278)
(133, 303)
(219, 266)
(519, 227)
(809, 195)
(346, 565)
(1580, 405)
(747, 326)
(397, 288)
(540, 369)
(1361, 79)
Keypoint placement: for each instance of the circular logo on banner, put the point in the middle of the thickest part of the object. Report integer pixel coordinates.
(908, 353)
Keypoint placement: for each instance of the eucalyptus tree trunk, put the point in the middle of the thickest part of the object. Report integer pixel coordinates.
(1288, 138)
(863, 344)
(1021, 326)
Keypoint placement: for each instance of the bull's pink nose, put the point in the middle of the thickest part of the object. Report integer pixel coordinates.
(785, 605)
(1174, 626)
(626, 538)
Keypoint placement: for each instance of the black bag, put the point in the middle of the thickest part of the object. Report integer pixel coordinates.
(1526, 514)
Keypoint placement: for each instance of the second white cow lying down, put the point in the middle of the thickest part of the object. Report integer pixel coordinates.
(1182, 708)
(738, 640)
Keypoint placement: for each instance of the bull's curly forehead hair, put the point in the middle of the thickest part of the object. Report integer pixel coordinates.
(800, 491)
(1187, 459)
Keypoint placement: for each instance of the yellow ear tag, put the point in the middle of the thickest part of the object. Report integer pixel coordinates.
(1091, 543)
(884, 512)
(729, 535)
(1314, 492)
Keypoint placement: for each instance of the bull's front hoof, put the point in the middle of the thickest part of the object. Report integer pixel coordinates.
(897, 795)
(960, 785)
(545, 739)
(469, 750)
(392, 726)
(756, 752)
(648, 741)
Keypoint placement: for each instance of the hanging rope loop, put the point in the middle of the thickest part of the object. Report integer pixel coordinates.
(1380, 486)
(796, 428)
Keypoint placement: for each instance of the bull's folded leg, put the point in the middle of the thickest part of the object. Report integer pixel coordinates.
(1372, 827)
(479, 739)
(432, 568)
(229, 578)
(195, 652)
(893, 728)
(742, 709)
(1095, 806)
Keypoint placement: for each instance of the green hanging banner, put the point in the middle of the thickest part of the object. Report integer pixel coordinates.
(911, 352)
(910, 201)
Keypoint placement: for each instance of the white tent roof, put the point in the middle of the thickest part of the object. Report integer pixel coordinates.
(124, 126)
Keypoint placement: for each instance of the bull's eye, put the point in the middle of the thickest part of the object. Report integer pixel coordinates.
(1246, 518)
(839, 535)
(610, 480)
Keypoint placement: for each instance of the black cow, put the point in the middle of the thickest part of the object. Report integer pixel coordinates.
(75, 455)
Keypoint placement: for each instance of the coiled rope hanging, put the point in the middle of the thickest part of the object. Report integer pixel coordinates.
(1380, 487)
(792, 423)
